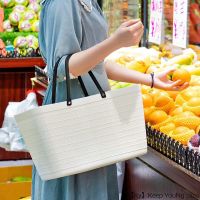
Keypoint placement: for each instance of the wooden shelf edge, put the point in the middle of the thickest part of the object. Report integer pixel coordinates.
(173, 171)
(9, 63)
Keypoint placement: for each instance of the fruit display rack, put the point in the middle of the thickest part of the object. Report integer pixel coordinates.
(8, 63)
(172, 149)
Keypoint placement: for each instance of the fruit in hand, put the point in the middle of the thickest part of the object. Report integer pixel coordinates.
(7, 27)
(182, 75)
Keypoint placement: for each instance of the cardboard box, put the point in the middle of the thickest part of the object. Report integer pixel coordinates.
(14, 190)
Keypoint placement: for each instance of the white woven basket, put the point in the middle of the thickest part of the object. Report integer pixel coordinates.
(90, 134)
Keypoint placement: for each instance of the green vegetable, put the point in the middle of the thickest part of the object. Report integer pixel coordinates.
(20, 179)
(11, 36)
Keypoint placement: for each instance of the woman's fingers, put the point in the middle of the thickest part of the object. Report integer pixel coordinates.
(136, 27)
(181, 87)
(130, 22)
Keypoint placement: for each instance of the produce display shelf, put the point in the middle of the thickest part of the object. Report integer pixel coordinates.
(185, 158)
(178, 174)
(9, 63)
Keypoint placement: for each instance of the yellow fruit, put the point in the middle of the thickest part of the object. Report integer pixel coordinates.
(147, 112)
(180, 130)
(157, 117)
(195, 80)
(198, 129)
(137, 65)
(163, 123)
(184, 59)
(162, 100)
(173, 94)
(186, 114)
(176, 111)
(123, 60)
(182, 75)
(164, 103)
(155, 93)
(195, 71)
(191, 122)
(180, 100)
(193, 102)
(168, 128)
(188, 94)
(147, 100)
(183, 137)
(195, 110)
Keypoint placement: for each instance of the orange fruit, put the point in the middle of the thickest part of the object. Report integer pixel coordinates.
(162, 100)
(157, 117)
(147, 112)
(173, 94)
(182, 75)
(147, 100)
(193, 102)
(156, 93)
(175, 111)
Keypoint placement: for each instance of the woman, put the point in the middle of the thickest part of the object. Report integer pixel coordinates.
(78, 27)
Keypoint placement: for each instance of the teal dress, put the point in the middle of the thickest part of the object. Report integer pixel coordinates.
(67, 27)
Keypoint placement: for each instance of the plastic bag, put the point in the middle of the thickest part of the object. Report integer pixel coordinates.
(10, 137)
(120, 177)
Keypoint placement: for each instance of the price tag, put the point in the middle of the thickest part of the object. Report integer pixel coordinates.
(156, 30)
(180, 23)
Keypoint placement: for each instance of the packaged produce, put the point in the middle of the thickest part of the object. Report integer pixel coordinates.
(20, 42)
(14, 18)
(21, 2)
(32, 41)
(19, 8)
(35, 26)
(29, 15)
(25, 26)
(7, 3)
(35, 7)
(7, 27)
(34, 1)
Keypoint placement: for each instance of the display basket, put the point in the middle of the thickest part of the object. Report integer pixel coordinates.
(187, 158)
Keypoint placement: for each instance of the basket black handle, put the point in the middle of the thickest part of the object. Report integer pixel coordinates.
(68, 88)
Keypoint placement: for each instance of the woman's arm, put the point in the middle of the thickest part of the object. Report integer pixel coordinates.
(128, 34)
(118, 73)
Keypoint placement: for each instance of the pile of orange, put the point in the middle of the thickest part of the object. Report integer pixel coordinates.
(176, 114)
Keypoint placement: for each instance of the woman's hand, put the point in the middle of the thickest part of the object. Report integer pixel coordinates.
(128, 34)
(161, 81)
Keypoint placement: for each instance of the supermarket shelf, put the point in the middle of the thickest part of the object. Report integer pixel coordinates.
(172, 171)
(10, 63)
